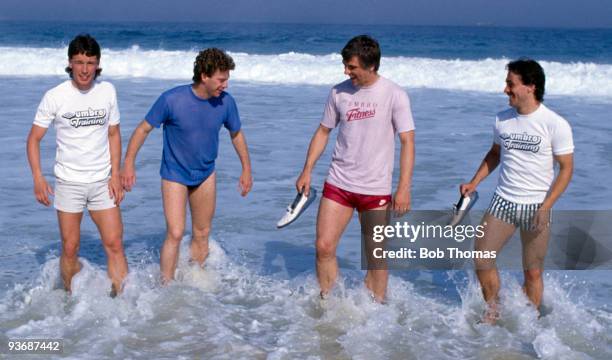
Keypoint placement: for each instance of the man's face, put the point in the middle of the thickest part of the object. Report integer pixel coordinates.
(518, 93)
(359, 75)
(216, 83)
(83, 70)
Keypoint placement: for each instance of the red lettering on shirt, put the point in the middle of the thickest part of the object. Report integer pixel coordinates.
(357, 114)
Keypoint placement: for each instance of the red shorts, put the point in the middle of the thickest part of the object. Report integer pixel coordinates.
(353, 200)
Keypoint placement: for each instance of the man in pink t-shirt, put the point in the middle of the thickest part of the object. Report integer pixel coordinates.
(368, 110)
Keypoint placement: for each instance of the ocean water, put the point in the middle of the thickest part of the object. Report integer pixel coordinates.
(257, 297)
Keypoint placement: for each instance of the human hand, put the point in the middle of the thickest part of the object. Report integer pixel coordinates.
(115, 189)
(245, 183)
(42, 190)
(467, 188)
(128, 176)
(302, 184)
(401, 202)
(541, 219)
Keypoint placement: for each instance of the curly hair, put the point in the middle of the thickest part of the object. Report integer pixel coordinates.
(209, 61)
(84, 44)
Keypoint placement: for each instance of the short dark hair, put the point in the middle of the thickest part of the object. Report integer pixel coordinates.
(209, 61)
(531, 73)
(365, 48)
(84, 44)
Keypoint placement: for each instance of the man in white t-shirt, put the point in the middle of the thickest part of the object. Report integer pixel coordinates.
(86, 119)
(369, 110)
(528, 138)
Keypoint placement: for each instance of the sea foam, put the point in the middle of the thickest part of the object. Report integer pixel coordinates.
(248, 315)
(486, 75)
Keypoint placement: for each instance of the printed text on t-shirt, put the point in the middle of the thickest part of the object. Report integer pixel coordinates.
(87, 117)
(360, 111)
(524, 142)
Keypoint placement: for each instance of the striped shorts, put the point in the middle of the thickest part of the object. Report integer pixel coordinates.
(520, 215)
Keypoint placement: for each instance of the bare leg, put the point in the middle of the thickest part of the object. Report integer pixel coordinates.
(377, 276)
(496, 234)
(535, 244)
(202, 204)
(332, 219)
(110, 227)
(174, 196)
(70, 231)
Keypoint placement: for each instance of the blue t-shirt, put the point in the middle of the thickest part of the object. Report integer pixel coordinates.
(191, 132)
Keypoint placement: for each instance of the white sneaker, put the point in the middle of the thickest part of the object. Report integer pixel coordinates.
(462, 207)
(297, 207)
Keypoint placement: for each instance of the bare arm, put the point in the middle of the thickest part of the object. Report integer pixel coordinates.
(566, 169)
(42, 189)
(114, 185)
(488, 165)
(240, 145)
(402, 198)
(128, 173)
(315, 149)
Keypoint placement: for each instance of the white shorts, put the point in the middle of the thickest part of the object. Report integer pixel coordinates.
(74, 197)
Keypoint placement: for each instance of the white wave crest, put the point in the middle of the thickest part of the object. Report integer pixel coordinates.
(582, 79)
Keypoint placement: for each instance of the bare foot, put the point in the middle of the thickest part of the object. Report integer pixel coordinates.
(113, 292)
(491, 314)
(70, 275)
(193, 262)
(381, 300)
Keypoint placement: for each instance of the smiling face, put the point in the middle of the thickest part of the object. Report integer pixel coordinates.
(83, 70)
(519, 94)
(215, 84)
(359, 75)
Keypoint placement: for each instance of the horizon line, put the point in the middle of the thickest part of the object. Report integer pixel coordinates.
(476, 25)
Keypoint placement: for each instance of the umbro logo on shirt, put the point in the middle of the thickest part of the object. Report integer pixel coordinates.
(87, 117)
(524, 141)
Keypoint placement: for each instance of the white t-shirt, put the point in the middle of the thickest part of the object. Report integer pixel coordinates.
(368, 119)
(528, 143)
(81, 120)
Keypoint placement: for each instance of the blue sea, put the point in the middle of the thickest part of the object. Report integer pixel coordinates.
(258, 295)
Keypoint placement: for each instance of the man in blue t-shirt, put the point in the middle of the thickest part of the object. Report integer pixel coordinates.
(192, 116)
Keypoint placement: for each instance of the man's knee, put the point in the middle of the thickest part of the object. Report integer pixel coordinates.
(70, 249)
(201, 233)
(533, 275)
(487, 277)
(174, 235)
(113, 244)
(533, 263)
(484, 264)
(325, 249)
(377, 274)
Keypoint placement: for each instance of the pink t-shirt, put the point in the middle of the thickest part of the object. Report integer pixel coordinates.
(368, 119)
